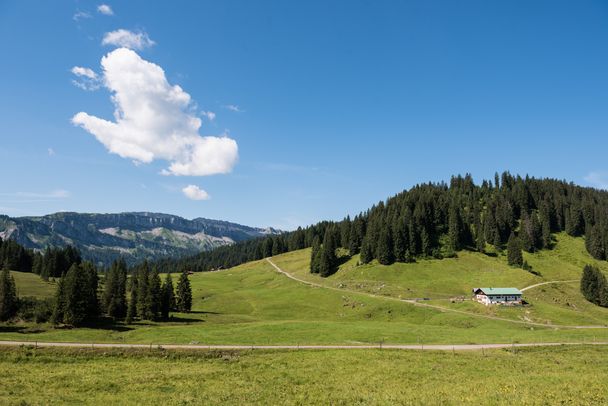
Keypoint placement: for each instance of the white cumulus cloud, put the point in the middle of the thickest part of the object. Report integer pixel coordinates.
(127, 39)
(155, 120)
(193, 192)
(105, 10)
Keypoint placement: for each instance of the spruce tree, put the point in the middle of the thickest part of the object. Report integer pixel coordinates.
(75, 296)
(315, 255)
(92, 285)
(155, 294)
(328, 260)
(144, 301)
(590, 284)
(385, 247)
(8, 296)
(514, 255)
(133, 290)
(59, 303)
(594, 243)
(366, 251)
(184, 294)
(167, 297)
(480, 240)
(114, 294)
(454, 229)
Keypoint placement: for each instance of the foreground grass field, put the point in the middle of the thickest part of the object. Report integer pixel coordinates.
(563, 375)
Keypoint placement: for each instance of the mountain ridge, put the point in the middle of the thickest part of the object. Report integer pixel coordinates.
(103, 237)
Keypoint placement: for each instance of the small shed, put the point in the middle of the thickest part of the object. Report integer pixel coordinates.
(505, 296)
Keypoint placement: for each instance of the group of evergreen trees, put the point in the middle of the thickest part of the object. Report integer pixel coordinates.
(9, 303)
(76, 302)
(323, 257)
(437, 219)
(76, 295)
(53, 263)
(594, 286)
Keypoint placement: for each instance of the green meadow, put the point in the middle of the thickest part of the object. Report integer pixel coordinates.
(254, 304)
(560, 375)
(447, 281)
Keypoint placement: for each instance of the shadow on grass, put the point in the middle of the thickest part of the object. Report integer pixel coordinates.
(202, 312)
(12, 329)
(186, 320)
(104, 324)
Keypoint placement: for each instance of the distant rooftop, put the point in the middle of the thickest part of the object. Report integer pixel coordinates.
(499, 291)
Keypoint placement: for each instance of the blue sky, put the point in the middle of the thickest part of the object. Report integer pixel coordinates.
(332, 106)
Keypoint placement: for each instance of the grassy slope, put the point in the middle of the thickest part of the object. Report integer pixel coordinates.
(531, 376)
(452, 277)
(29, 284)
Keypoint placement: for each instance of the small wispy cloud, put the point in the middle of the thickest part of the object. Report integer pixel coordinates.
(86, 78)
(80, 15)
(233, 107)
(193, 192)
(51, 151)
(105, 10)
(34, 197)
(597, 179)
(209, 114)
(86, 72)
(127, 39)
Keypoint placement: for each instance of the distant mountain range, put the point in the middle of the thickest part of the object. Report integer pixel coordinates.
(135, 236)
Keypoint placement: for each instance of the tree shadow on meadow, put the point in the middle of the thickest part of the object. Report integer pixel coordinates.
(12, 329)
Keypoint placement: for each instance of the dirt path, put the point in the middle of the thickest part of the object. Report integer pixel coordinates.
(547, 283)
(432, 347)
(435, 307)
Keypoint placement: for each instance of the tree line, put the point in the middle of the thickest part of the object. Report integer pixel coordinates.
(437, 220)
(52, 263)
(79, 300)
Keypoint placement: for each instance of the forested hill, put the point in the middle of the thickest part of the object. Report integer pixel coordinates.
(438, 219)
(102, 238)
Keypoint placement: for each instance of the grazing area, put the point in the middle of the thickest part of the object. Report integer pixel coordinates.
(524, 376)
(254, 304)
(447, 281)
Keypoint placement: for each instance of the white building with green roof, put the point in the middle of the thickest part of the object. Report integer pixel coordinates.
(505, 296)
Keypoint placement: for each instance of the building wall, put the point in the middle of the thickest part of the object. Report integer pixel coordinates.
(506, 299)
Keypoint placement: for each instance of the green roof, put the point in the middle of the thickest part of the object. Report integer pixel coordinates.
(500, 291)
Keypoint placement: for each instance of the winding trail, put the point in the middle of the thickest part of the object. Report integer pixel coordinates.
(435, 307)
(151, 347)
(547, 283)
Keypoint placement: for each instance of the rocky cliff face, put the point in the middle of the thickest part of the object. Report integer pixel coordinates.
(135, 236)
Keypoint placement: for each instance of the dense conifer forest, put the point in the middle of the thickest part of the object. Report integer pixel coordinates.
(437, 220)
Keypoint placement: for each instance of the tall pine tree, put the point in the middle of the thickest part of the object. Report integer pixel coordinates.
(184, 294)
